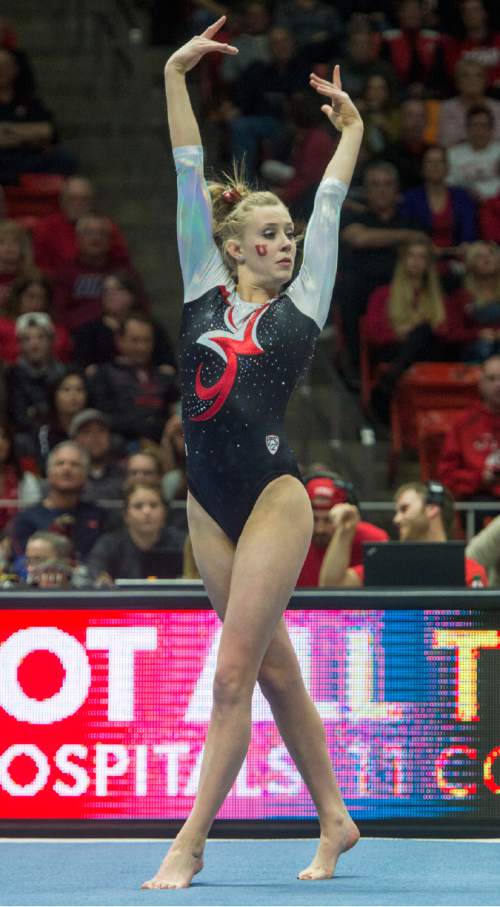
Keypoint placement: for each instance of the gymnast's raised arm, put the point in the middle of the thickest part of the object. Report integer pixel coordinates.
(345, 117)
(201, 263)
(181, 119)
(311, 291)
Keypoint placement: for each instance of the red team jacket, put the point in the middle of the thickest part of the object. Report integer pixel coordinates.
(474, 438)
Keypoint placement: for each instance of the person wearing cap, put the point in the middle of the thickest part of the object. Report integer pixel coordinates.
(36, 369)
(417, 518)
(326, 496)
(90, 429)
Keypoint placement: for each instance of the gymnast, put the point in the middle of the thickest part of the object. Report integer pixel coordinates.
(245, 340)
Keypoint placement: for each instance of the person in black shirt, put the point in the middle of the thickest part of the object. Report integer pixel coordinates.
(95, 341)
(260, 98)
(145, 547)
(369, 241)
(27, 131)
(406, 154)
(137, 395)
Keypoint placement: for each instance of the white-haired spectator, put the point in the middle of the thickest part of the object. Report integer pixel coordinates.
(62, 509)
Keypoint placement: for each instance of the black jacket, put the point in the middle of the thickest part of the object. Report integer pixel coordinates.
(28, 392)
(138, 402)
(116, 553)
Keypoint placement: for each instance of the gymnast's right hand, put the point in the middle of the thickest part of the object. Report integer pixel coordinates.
(187, 56)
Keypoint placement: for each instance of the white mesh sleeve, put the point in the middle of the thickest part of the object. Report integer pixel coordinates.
(201, 262)
(311, 291)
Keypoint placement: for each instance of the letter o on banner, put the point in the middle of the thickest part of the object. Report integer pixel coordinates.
(75, 685)
(40, 779)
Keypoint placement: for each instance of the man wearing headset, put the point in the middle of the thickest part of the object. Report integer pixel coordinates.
(327, 491)
(423, 513)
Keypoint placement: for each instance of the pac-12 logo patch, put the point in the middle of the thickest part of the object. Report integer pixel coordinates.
(272, 443)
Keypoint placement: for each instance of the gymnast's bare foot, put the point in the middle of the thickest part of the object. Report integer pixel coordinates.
(183, 860)
(340, 838)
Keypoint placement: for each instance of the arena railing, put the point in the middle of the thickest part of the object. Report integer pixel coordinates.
(470, 509)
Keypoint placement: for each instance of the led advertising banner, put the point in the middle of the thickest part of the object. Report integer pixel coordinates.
(103, 714)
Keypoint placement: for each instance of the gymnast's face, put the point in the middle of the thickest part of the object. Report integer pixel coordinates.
(268, 246)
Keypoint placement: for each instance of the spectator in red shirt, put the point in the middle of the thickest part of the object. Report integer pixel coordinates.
(78, 283)
(30, 294)
(489, 219)
(54, 236)
(409, 321)
(478, 41)
(417, 518)
(326, 492)
(413, 52)
(470, 457)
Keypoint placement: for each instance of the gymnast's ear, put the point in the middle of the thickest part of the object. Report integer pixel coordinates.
(233, 249)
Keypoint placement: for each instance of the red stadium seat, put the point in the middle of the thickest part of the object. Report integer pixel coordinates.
(428, 386)
(432, 427)
(36, 195)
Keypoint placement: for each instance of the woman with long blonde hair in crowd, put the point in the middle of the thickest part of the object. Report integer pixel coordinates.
(406, 320)
(244, 342)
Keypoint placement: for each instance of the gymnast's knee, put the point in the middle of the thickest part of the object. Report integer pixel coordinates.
(233, 683)
(276, 682)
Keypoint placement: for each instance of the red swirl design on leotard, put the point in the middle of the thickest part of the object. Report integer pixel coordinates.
(231, 347)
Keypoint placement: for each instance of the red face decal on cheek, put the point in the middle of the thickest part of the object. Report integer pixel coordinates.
(261, 249)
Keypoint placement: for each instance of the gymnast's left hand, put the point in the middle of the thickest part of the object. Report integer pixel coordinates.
(341, 111)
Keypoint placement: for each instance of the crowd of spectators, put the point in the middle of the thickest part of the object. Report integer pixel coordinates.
(92, 457)
(427, 81)
(91, 442)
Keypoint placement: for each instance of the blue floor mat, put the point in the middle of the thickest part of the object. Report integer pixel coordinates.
(252, 872)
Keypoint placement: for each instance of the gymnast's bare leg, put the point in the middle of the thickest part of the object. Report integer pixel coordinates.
(256, 601)
(282, 684)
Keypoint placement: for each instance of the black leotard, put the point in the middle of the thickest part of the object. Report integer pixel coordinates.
(241, 361)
